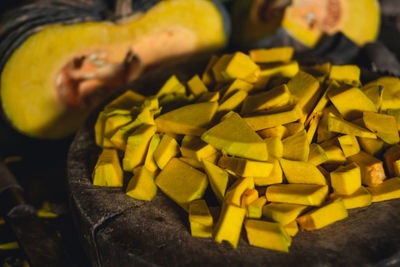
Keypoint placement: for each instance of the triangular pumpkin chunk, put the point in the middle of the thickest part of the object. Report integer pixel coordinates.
(191, 119)
(237, 138)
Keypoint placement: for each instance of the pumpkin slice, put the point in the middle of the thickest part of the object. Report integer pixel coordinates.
(73, 68)
(302, 172)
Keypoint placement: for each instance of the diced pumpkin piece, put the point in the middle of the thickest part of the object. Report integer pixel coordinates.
(218, 179)
(232, 101)
(383, 125)
(272, 55)
(245, 167)
(345, 73)
(319, 71)
(372, 172)
(291, 228)
(237, 84)
(119, 138)
(305, 90)
(288, 70)
(349, 145)
(126, 100)
(312, 127)
(190, 119)
(207, 77)
(195, 148)
(141, 185)
(323, 133)
(360, 198)
(294, 128)
(248, 197)
(111, 125)
(209, 97)
(299, 172)
(350, 102)
(389, 189)
(372, 146)
(339, 125)
(275, 176)
(200, 219)
(171, 86)
(196, 86)
(254, 209)
(391, 89)
(274, 118)
(136, 147)
(317, 155)
(282, 213)
(99, 128)
(181, 182)
(331, 212)
(234, 194)
(278, 131)
(149, 162)
(238, 65)
(396, 114)
(107, 171)
(236, 137)
(296, 147)
(274, 146)
(346, 180)
(334, 153)
(276, 97)
(165, 151)
(267, 235)
(302, 194)
(192, 162)
(390, 157)
(229, 224)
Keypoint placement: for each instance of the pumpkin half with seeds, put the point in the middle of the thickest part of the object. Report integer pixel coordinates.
(60, 59)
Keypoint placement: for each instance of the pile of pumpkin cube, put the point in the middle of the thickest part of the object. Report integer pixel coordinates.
(281, 145)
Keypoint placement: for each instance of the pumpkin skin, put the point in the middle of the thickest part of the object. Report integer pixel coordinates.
(41, 98)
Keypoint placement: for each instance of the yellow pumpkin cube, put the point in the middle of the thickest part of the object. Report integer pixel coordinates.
(245, 167)
(274, 146)
(349, 145)
(372, 172)
(234, 194)
(248, 197)
(107, 171)
(360, 198)
(196, 86)
(195, 148)
(302, 194)
(267, 235)
(346, 180)
(389, 189)
(275, 176)
(299, 172)
(229, 224)
(236, 137)
(291, 228)
(272, 55)
(218, 179)
(383, 125)
(296, 147)
(136, 147)
(172, 85)
(149, 161)
(254, 209)
(345, 73)
(141, 185)
(166, 150)
(282, 213)
(181, 182)
(200, 219)
(331, 212)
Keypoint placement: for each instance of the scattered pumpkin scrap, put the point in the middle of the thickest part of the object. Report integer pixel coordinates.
(301, 149)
